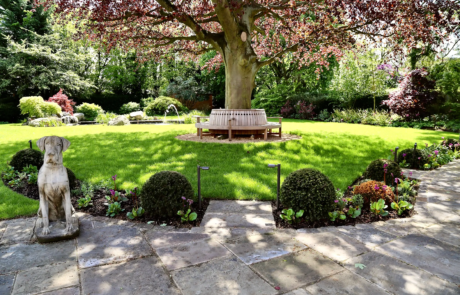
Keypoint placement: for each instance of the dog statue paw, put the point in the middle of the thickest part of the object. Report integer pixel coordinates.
(69, 227)
(45, 231)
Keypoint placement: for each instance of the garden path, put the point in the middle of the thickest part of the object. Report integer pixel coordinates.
(236, 255)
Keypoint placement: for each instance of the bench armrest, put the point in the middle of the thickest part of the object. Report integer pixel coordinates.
(279, 118)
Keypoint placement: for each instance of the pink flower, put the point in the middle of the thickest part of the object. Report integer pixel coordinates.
(184, 198)
(385, 165)
(402, 173)
(336, 201)
(376, 187)
(419, 158)
(385, 170)
(410, 173)
(404, 155)
(443, 137)
(436, 152)
(114, 177)
(396, 180)
(112, 192)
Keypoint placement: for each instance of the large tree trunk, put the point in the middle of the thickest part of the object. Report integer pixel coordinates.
(240, 73)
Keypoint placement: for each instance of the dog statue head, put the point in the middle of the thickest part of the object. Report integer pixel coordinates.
(53, 147)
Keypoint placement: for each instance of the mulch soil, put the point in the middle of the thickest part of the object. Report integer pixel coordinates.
(365, 217)
(99, 207)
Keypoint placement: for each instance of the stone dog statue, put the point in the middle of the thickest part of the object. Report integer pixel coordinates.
(53, 184)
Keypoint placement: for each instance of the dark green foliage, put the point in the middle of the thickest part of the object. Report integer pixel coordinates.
(308, 190)
(375, 170)
(409, 157)
(161, 194)
(160, 104)
(72, 178)
(27, 157)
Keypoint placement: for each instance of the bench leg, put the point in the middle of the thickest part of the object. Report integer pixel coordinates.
(197, 131)
(265, 134)
(201, 133)
(229, 130)
(280, 132)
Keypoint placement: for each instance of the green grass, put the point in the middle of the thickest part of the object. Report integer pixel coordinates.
(238, 171)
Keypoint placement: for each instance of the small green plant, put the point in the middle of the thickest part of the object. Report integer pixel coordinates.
(14, 183)
(337, 215)
(354, 212)
(378, 208)
(136, 212)
(401, 206)
(29, 169)
(357, 201)
(85, 202)
(9, 174)
(290, 216)
(114, 209)
(33, 178)
(186, 216)
(115, 196)
(90, 110)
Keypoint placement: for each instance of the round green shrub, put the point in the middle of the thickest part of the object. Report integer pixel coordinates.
(308, 190)
(161, 195)
(408, 155)
(90, 110)
(50, 108)
(27, 157)
(375, 171)
(160, 104)
(72, 178)
(129, 108)
(31, 105)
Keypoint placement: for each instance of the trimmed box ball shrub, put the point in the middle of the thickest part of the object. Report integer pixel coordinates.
(372, 191)
(408, 155)
(308, 190)
(160, 104)
(90, 110)
(129, 108)
(27, 157)
(72, 178)
(376, 170)
(161, 194)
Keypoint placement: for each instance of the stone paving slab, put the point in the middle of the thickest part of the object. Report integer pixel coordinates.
(434, 195)
(222, 234)
(46, 278)
(65, 291)
(256, 248)
(336, 246)
(221, 276)
(345, 282)
(402, 227)
(298, 292)
(158, 239)
(18, 231)
(141, 276)
(296, 270)
(215, 220)
(23, 256)
(110, 244)
(422, 175)
(446, 211)
(434, 256)
(244, 207)
(398, 277)
(191, 253)
(6, 284)
(449, 233)
(370, 237)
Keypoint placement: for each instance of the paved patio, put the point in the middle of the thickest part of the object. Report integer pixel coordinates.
(239, 251)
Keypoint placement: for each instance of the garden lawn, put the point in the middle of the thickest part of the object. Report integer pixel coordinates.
(237, 171)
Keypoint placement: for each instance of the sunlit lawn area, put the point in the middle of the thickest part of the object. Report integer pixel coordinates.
(237, 171)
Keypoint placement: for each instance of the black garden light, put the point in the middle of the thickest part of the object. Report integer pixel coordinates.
(396, 154)
(415, 150)
(278, 184)
(199, 168)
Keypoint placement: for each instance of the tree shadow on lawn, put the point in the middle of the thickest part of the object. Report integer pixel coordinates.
(237, 171)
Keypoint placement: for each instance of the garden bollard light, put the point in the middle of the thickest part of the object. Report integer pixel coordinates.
(30, 143)
(278, 184)
(396, 154)
(413, 157)
(199, 168)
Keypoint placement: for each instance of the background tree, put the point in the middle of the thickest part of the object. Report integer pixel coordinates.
(251, 34)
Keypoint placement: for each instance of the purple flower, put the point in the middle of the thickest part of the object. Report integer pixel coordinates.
(443, 137)
(419, 158)
(184, 198)
(392, 175)
(336, 201)
(396, 180)
(451, 144)
(112, 192)
(190, 201)
(344, 199)
(384, 187)
(376, 187)
(114, 177)
(410, 173)
(404, 155)
(402, 173)
(385, 170)
(436, 152)
(349, 187)
(385, 165)
(429, 156)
